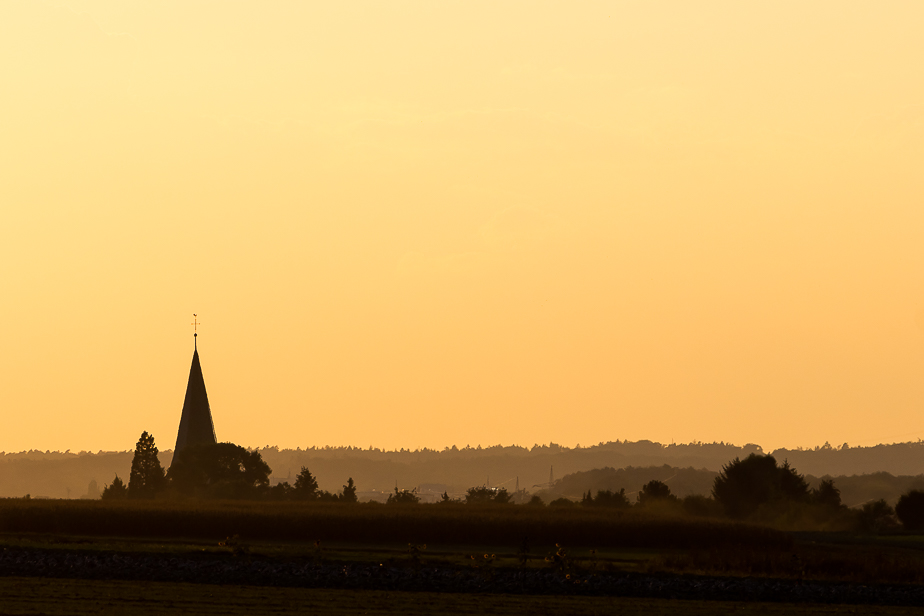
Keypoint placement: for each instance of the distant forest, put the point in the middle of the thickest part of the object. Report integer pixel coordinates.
(688, 468)
(855, 489)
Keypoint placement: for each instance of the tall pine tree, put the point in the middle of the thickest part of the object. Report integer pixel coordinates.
(147, 476)
(306, 486)
(349, 492)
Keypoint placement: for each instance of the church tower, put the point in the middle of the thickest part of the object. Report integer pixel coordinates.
(196, 427)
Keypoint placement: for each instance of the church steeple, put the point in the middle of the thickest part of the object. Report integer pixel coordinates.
(196, 427)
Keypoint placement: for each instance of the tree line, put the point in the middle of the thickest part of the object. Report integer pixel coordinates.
(217, 471)
(759, 489)
(755, 488)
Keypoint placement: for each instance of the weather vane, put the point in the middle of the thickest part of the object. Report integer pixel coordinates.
(195, 325)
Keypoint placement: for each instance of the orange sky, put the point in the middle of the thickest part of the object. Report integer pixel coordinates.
(415, 224)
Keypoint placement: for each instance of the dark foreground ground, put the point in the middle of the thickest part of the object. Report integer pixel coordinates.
(20, 595)
(48, 579)
(254, 558)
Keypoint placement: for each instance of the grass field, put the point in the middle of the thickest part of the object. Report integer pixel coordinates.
(458, 538)
(32, 596)
(816, 556)
(611, 559)
(372, 523)
(843, 557)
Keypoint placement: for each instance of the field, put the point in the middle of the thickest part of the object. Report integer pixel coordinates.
(281, 558)
(375, 523)
(31, 596)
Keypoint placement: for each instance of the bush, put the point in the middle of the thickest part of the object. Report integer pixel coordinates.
(801, 516)
(445, 499)
(403, 497)
(485, 496)
(280, 492)
(875, 516)
(655, 492)
(910, 510)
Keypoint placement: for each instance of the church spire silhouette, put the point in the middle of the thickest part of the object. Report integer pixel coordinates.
(196, 427)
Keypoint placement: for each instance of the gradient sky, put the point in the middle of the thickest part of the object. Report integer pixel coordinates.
(408, 224)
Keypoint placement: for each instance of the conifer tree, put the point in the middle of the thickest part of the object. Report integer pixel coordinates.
(349, 492)
(306, 486)
(147, 476)
(115, 491)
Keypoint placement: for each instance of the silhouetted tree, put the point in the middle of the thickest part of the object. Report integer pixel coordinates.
(403, 497)
(485, 495)
(655, 492)
(220, 470)
(792, 485)
(826, 494)
(349, 492)
(875, 515)
(536, 501)
(910, 510)
(147, 475)
(502, 497)
(306, 486)
(280, 492)
(115, 491)
(562, 502)
(607, 498)
(744, 485)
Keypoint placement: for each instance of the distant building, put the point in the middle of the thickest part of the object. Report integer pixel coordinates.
(92, 491)
(196, 427)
